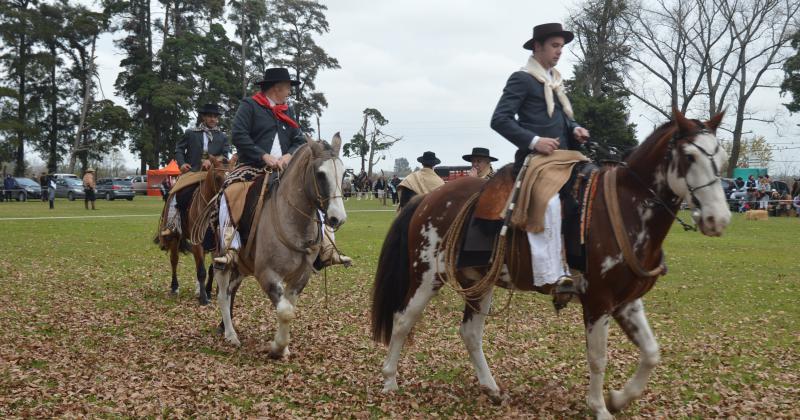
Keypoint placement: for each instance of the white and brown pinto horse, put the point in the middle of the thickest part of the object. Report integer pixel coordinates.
(288, 236)
(680, 160)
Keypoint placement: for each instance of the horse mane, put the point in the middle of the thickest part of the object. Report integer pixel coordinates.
(646, 157)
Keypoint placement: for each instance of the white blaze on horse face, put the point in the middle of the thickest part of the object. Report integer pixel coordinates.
(333, 170)
(714, 212)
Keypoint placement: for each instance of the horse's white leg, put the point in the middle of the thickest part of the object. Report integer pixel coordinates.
(285, 312)
(402, 325)
(472, 333)
(224, 291)
(632, 319)
(596, 346)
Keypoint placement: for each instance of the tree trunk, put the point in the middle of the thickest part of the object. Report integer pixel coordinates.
(364, 133)
(22, 110)
(87, 97)
(52, 157)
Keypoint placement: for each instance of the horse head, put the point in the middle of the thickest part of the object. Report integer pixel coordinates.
(216, 174)
(693, 173)
(324, 185)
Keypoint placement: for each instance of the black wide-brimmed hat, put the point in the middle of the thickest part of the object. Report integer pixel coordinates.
(277, 74)
(546, 30)
(479, 152)
(210, 109)
(429, 159)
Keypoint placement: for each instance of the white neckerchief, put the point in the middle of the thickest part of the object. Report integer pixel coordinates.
(551, 79)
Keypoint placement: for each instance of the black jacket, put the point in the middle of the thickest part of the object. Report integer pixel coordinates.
(190, 148)
(523, 97)
(254, 129)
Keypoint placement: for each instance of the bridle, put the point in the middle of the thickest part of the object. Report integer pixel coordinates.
(709, 156)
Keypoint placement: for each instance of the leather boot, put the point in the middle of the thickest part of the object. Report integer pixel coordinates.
(230, 255)
(329, 255)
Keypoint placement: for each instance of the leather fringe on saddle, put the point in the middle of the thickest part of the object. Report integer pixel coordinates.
(451, 239)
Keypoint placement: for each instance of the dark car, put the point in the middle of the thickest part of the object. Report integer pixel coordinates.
(781, 187)
(112, 189)
(24, 188)
(69, 188)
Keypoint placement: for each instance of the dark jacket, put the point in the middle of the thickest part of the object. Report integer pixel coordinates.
(190, 148)
(254, 129)
(523, 97)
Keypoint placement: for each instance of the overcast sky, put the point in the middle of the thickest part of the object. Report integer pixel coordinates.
(435, 70)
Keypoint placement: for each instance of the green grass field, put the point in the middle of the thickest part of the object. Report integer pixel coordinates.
(89, 329)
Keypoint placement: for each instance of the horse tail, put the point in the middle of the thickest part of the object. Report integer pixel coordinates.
(393, 276)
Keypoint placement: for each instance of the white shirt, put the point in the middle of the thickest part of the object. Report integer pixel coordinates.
(206, 140)
(276, 143)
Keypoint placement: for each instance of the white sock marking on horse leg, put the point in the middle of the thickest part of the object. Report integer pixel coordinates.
(633, 315)
(224, 302)
(285, 312)
(405, 320)
(596, 345)
(472, 334)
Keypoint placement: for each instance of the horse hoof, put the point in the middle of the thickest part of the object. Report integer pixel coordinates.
(203, 302)
(276, 354)
(613, 399)
(220, 329)
(496, 396)
(233, 339)
(174, 292)
(390, 386)
(604, 415)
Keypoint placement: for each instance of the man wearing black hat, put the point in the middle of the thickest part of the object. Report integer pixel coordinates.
(535, 114)
(481, 162)
(191, 153)
(266, 135)
(422, 181)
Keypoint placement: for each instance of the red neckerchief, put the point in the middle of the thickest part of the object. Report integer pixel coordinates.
(278, 110)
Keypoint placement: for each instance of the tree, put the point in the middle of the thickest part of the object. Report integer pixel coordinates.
(709, 51)
(21, 70)
(401, 167)
(292, 24)
(753, 151)
(370, 144)
(598, 103)
(791, 83)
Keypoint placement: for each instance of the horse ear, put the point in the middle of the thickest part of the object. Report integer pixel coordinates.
(309, 140)
(336, 144)
(684, 125)
(715, 121)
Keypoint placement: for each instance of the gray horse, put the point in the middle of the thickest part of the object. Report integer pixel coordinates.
(288, 237)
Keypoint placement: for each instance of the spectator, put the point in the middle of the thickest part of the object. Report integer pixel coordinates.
(8, 186)
(380, 185)
(764, 192)
(166, 185)
(51, 190)
(796, 205)
(739, 182)
(43, 185)
(88, 188)
(393, 188)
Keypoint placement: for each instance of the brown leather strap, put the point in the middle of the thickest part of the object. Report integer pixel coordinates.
(621, 235)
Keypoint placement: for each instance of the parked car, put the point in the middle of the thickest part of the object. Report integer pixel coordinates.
(139, 184)
(69, 188)
(781, 187)
(23, 189)
(112, 189)
(64, 176)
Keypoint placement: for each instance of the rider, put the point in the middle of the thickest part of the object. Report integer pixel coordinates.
(266, 135)
(192, 154)
(481, 162)
(545, 123)
(422, 181)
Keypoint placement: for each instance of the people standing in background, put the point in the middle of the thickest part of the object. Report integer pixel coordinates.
(393, 188)
(8, 186)
(51, 190)
(89, 185)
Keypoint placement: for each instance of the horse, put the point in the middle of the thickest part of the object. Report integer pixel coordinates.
(680, 160)
(287, 238)
(195, 199)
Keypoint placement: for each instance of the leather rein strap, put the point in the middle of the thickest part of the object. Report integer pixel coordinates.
(615, 217)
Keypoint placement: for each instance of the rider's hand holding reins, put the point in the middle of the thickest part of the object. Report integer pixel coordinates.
(185, 168)
(546, 145)
(581, 134)
(283, 162)
(270, 161)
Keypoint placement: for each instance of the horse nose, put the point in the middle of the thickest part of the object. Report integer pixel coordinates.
(334, 222)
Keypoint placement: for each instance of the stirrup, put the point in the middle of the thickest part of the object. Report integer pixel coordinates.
(166, 232)
(563, 292)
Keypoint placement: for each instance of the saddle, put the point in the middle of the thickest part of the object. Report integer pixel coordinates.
(486, 218)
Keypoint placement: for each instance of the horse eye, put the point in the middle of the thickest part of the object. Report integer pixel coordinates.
(690, 158)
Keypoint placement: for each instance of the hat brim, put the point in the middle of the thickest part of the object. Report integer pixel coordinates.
(434, 161)
(567, 35)
(206, 112)
(468, 158)
(293, 82)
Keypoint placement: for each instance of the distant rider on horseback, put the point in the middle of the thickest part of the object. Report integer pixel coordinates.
(192, 153)
(528, 116)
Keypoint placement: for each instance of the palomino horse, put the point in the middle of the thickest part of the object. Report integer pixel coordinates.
(288, 236)
(678, 161)
(196, 198)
